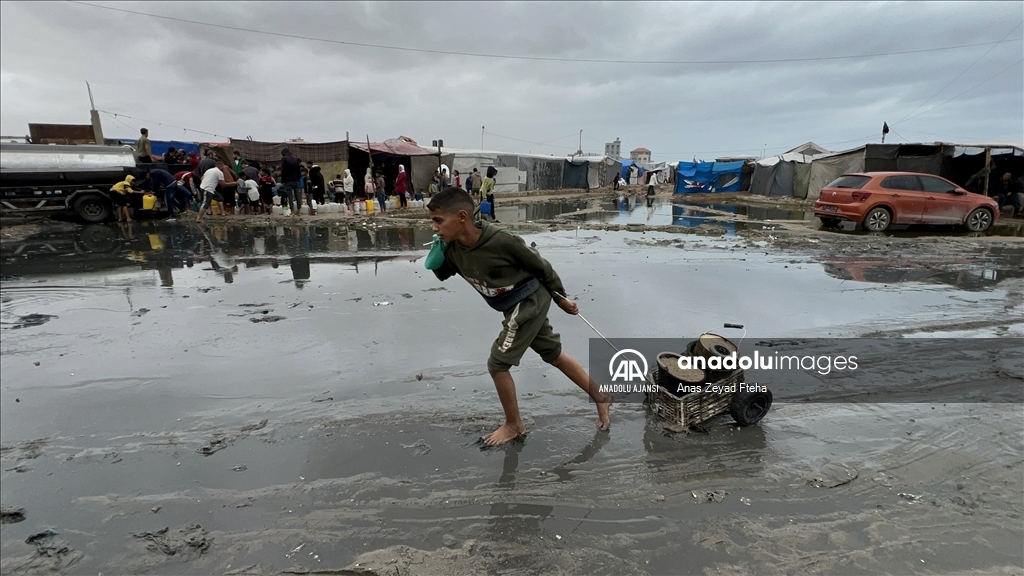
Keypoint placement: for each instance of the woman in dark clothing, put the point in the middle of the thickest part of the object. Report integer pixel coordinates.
(317, 187)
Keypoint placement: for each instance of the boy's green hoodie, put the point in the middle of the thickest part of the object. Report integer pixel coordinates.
(502, 268)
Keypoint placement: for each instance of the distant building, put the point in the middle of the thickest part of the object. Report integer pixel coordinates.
(640, 156)
(613, 149)
(296, 141)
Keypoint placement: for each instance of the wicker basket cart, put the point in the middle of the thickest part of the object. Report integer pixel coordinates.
(719, 392)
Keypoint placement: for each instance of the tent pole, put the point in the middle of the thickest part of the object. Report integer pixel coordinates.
(988, 160)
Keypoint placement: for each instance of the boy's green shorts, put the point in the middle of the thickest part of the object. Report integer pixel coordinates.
(525, 326)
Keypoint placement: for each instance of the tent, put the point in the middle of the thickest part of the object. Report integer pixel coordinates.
(785, 175)
(962, 161)
(270, 152)
(574, 174)
(516, 172)
(420, 163)
(601, 170)
(774, 180)
(828, 167)
(542, 173)
(698, 177)
(921, 158)
(655, 172)
(808, 149)
(631, 171)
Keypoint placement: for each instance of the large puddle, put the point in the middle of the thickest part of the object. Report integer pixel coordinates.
(676, 211)
(139, 366)
(637, 209)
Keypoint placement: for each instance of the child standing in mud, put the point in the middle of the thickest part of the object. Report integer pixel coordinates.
(516, 281)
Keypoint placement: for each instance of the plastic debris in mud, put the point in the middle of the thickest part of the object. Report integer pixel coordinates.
(9, 515)
(382, 303)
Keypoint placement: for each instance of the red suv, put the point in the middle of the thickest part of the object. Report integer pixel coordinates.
(878, 199)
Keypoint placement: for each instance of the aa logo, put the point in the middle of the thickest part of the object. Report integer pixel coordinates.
(628, 367)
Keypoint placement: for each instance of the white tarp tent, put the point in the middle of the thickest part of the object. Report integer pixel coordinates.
(516, 172)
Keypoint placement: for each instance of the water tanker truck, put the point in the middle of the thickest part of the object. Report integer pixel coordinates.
(39, 179)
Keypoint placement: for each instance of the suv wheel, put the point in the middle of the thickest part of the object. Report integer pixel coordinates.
(877, 220)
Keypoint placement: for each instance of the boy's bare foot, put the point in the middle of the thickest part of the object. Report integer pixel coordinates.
(506, 433)
(604, 421)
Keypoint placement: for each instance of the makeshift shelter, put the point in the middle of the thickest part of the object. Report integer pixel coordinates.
(961, 161)
(420, 163)
(785, 175)
(601, 170)
(270, 152)
(574, 174)
(510, 178)
(516, 172)
(466, 160)
(332, 157)
(702, 177)
(808, 149)
(828, 167)
(654, 172)
(631, 171)
(920, 158)
(542, 173)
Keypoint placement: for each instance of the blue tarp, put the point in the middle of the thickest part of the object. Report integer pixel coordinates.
(159, 147)
(698, 177)
(625, 169)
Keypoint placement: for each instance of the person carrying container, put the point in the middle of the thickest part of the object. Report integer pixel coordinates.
(119, 197)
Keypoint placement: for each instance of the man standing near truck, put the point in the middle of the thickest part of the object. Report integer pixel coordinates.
(144, 150)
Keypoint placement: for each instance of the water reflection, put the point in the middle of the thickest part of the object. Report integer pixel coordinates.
(537, 211)
(513, 521)
(983, 271)
(726, 449)
(164, 248)
(517, 520)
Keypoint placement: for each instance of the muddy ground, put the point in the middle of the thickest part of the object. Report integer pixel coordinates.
(254, 397)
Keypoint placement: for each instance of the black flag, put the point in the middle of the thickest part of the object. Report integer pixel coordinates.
(885, 128)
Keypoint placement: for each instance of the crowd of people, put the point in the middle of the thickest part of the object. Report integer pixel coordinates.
(246, 187)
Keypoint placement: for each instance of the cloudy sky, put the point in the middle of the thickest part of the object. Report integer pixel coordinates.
(701, 97)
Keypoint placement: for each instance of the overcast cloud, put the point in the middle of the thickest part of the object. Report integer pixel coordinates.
(242, 84)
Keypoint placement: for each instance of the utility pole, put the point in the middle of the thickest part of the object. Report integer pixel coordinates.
(97, 126)
(482, 137)
(580, 151)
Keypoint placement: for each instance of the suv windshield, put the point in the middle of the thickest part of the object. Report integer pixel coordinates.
(855, 182)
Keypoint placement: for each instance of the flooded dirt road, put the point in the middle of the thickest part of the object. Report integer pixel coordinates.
(307, 399)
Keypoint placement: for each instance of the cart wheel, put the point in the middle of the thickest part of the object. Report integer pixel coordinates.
(748, 408)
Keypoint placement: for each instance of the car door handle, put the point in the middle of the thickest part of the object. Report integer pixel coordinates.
(931, 197)
(895, 195)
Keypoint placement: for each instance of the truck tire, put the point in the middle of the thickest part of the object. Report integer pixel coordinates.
(747, 408)
(98, 239)
(92, 208)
